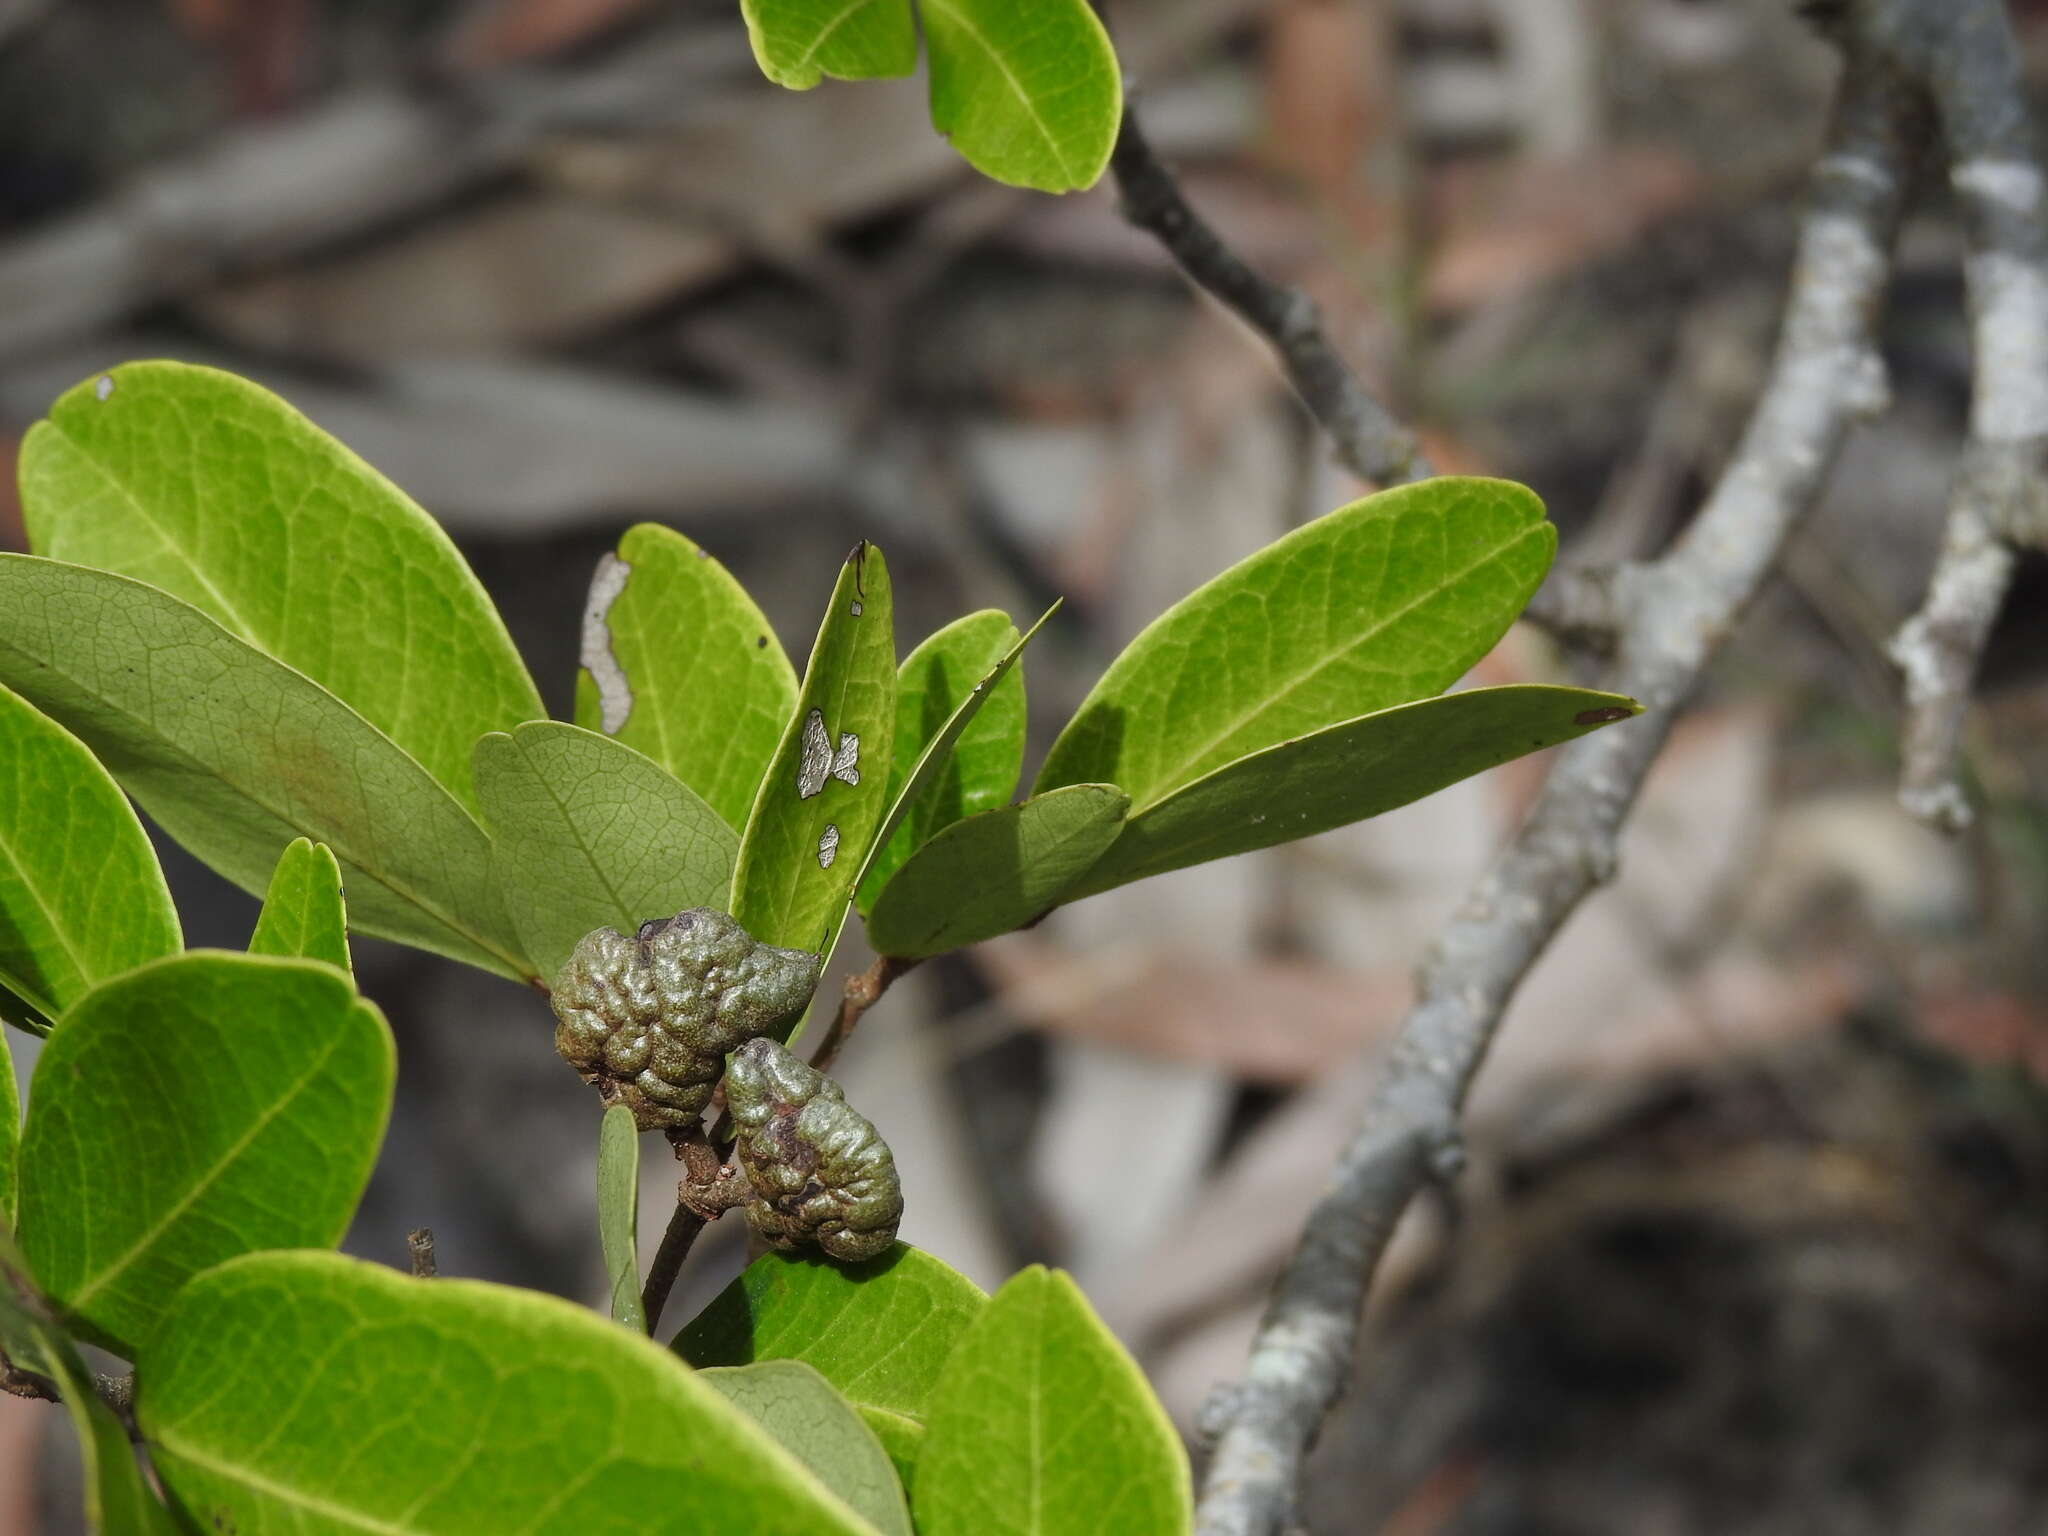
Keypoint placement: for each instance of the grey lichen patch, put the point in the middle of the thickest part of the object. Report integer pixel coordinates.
(649, 1020)
(819, 1172)
(818, 761)
(614, 693)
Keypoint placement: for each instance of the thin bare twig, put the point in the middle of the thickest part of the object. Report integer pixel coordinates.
(1963, 54)
(1369, 441)
(1672, 615)
(860, 994)
(677, 1239)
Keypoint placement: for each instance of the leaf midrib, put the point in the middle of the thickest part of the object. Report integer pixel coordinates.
(1173, 778)
(171, 545)
(284, 1493)
(403, 892)
(48, 1006)
(953, 14)
(78, 1299)
(825, 34)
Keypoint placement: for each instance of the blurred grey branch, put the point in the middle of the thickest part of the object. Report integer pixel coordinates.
(1963, 55)
(1667, 618)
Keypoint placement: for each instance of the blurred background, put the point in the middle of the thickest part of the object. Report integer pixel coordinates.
(1756, 1225)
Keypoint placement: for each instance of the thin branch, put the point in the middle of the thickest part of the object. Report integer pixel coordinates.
(1369, 441)
(860, 994)
(702, 1163)
(1576, 603)
(677, 1239)
(117, 1392)
(1672, 616)
(1963, 54)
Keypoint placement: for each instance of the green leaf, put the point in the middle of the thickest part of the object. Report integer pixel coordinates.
(587, 833)
(81, 895)
(810, 829)
(796, 1405)
(24, 1315)
(618, 1212)
(1388, 600)
(304, 912)
(1345, 774)
(1030, 94)
(235, 755)
(1041, 1425)
(117, 1501)
(679, 663)
(959, 736)
(215, 490)
(995, 872)
(371, 1402)
(198, 1108)
(798, 42)
(10, 1131)
(879, 1332)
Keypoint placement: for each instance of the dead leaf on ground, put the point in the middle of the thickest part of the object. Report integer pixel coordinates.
(523, 270)
(1269, 1021)
(1508, 228)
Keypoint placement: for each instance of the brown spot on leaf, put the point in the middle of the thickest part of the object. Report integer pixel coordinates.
(1601, 716)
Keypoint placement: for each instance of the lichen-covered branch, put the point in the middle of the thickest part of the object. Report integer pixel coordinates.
(1669, 618)
(1963, 54)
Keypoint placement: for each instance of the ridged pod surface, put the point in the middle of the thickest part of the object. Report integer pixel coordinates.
(651, 1019)
(820, 1172)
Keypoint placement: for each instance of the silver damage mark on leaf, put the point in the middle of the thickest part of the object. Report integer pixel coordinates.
(614, 693)
(819, 762)
(857, 609)
(103, 386)
(828, 846)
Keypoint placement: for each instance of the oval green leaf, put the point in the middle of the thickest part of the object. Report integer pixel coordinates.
(587, 833)
(235, 754)
(798, 42)
(81, 895)
(796, 1405)
(305, 911)
(1347, 773)
(1029, 94)
(959, 736)
(197, 1108)
(879, 1332)
(679, 663)
(213, 489)
(1388, 600)
(117, 1501)
(618, 1212)
(823, 797)
(1042, 1425)
(995, 872)
(447, 1408)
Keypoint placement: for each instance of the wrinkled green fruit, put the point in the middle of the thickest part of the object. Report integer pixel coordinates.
(820, 1173)
(651, 1019)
